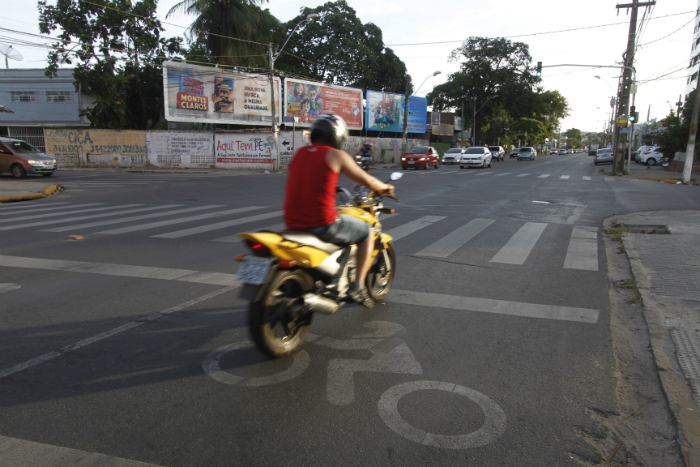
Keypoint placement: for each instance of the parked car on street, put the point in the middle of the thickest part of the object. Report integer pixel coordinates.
(649, 155)
(553, 152)
(497, 152)
(513, 152)
(421, 157)
(476, 156)
(527, 153)
(562, 152)
(20, 158)
(453, 155)
(603, 156)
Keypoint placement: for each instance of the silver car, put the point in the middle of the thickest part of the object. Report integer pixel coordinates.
(476, 156)
(603, 156)
(497, 152)
(453, 156)
(527, 153)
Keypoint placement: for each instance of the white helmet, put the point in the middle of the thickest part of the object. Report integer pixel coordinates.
(331, 129)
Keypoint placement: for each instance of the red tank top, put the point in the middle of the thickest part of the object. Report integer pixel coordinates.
(310, 194)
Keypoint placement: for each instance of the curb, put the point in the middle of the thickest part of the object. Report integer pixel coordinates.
(681, 402)
(667, 180)
(53, 189)
(165, 172)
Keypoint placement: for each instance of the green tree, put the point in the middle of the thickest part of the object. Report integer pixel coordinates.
(673, 135)
(116, 46)
(230, 32)
(492, 67)
(339, 49)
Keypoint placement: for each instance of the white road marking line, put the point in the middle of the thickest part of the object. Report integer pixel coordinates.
(47, 208)
(485, 173)
(122, 270)
(45, 215)
(236, 238)
(110, 333)
(500, 175)
(181, 220)
(8, 287)
(19, 452)
(586, 178)
(609, 179)
(218, 225)
(451, 242)
(564, 177)
(92, 216)
(583, 249)
(634, 180)
(22, 207)
(443, 172)
(522, 175)
(501, 307)
(407, 229)
(543, 176)
(133, 218)
(520, 244)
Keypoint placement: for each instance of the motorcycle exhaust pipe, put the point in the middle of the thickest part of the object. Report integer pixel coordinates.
(320, 304)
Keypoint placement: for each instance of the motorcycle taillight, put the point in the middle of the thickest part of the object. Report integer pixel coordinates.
(258, 248)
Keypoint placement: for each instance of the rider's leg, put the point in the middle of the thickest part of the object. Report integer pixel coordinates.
(364, 256)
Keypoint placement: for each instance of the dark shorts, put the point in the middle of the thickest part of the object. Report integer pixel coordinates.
(347, 230)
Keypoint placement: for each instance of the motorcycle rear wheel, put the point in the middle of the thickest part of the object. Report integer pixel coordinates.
(380, 278)
(277, 322)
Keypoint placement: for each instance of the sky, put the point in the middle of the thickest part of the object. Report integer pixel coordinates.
(406, 22)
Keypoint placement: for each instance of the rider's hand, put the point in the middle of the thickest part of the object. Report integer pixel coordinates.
(388, 190)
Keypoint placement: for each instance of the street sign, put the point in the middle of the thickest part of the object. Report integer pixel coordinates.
(622, 121)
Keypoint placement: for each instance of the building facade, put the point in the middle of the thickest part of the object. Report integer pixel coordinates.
(694, 67)
(38, 101)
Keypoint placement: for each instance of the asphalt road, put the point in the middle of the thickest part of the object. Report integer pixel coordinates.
(492, 349)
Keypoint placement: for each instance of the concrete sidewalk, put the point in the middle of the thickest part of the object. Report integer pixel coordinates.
(22, 190)
(664, 253)
(642, 171)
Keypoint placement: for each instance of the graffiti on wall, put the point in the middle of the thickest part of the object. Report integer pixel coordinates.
(101, 147)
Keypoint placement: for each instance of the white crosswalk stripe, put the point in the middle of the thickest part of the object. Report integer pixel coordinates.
(543, 176)
(586, 178)
(153, 225)
(583, 249)
(449, 243)
(520, 245)
(485, 173)
(413, 226)
(522, 175)
(564, 177)
(42, 208)
(218, 225)
(132, 218)
(501, 175)
(45, 215)
(79, 218)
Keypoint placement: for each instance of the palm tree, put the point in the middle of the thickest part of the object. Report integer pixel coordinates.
(233, 32)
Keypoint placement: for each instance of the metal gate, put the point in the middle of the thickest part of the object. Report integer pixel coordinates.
(33, 135)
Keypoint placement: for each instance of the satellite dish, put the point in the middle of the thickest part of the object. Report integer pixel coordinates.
(10, 52)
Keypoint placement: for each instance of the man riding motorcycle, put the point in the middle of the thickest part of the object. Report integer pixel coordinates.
(365, 155)
(310, 196)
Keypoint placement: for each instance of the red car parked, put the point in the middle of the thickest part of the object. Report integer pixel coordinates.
(421, 157)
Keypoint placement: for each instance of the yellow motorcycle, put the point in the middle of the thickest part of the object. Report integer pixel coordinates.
(290, 275)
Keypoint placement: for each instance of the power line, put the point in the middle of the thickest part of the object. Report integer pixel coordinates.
(656, 40)
(537, 33)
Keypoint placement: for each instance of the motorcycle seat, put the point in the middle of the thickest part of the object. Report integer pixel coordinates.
(309, 239)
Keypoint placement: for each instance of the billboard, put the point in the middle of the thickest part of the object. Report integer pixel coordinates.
(307, 100)
(385, 112)
(212, 95)
(443, 129)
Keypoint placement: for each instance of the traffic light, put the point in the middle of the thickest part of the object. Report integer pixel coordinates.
(633, 114)
(539, 69)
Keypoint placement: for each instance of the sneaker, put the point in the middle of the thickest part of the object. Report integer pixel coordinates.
(359, 294)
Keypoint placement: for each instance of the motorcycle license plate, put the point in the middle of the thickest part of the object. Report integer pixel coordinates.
(254, 270)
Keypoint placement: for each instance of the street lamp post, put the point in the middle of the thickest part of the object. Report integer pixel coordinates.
(474, 119)
(404, 142)
(273, 59)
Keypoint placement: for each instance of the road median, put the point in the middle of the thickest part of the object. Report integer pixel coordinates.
(45, 193)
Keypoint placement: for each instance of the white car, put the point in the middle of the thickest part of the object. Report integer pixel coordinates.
(476, 156)
(453, 155)
(648, 155)
(497, 152)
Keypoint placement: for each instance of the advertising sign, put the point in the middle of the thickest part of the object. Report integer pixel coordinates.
(244, 150)
(180, 148)
(96, 142)
(435, 118)
(307, 100)
(444, 129)
(458, 123)
(213, 95)
(385, 112)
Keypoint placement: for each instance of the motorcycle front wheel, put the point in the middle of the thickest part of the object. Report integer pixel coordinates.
(279, 322)
(381, 275)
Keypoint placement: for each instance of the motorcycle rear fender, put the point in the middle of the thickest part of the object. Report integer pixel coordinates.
(254, 293)
(305, 256)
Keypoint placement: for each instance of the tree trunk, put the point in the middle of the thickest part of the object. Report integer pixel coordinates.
(143, 124)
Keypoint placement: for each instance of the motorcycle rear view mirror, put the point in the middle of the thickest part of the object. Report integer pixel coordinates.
(396, 176)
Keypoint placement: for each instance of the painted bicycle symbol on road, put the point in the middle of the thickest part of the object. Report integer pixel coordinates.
(389, 355)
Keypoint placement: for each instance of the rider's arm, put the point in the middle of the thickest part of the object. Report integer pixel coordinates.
(341, 161)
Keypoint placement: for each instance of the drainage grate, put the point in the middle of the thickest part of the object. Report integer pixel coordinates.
(688, 357)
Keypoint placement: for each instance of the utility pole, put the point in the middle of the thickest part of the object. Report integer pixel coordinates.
(275, 162)
(474, 123)
(404, 142)
(461, 134)
(690, 149)
(679, 104)
(623, 106)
